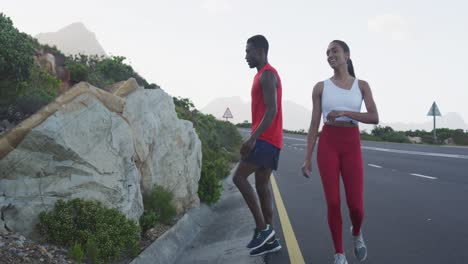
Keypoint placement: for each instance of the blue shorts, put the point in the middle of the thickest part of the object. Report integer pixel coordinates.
(263, 155)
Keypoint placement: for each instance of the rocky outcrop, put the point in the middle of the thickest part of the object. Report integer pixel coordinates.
(172, 161)
(92, 144)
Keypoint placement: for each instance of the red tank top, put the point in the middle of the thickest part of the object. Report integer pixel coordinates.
(274, 133)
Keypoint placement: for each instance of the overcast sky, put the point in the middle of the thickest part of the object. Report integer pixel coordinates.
(412, 52)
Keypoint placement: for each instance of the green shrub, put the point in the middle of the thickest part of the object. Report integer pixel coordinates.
(92, 250)
(148, 220)
(78, 73)
(397, 137)
(16, 52)
(368, 137)
(220, 145)
(209, 186)
(29, 103)
(76, 253)
(38, 92)
(244, 124)
(159, 201)
(78, 221)
(152, 86)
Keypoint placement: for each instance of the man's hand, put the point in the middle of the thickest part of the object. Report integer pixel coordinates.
(247, 146)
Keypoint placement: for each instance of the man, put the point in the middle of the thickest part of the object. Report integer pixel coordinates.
(260, 152)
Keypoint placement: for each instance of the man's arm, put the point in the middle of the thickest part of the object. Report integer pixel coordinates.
(268, 83)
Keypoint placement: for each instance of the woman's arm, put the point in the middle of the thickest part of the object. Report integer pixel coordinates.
(314, 127)
(370, 117)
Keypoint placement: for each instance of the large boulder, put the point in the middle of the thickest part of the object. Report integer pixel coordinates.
(83, 150)
(168, 151)
(93, 144)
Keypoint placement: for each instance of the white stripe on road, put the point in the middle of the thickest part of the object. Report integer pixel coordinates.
(375, 166)
(423, 176)
(292, 138)
(418, 153)
(444, 155)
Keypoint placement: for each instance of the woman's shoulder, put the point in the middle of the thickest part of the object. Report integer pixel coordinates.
(363, 85)
(318, 87)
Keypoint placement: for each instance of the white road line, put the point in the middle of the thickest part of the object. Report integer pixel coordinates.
(455, 156)
(298, 139)
(375, 166)
(423, 176)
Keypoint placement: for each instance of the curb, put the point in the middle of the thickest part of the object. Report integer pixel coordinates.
(167, 248)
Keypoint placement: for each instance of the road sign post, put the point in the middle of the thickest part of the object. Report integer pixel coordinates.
(434, 111)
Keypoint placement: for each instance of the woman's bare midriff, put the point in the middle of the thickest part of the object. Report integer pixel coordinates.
(341, 124)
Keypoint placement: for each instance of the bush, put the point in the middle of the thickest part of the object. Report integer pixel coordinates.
(220, 145)
(78, 73)
(76, 253)
(159, 202)
(78, 222)
(148, 220)
(296, 132)
(397, 137)
(388, 134)
(365, 136)
(103, 71)
(152, 86)
(209, 186)
(92, 250)
(244, 124)
(16, 52)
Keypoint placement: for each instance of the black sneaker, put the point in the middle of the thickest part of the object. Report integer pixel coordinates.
(261, 237)
(266, 248)
(250, 245)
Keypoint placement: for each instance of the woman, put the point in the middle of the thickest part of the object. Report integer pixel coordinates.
(339, 149)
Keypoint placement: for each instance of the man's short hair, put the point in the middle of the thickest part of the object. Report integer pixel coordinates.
(259, 42)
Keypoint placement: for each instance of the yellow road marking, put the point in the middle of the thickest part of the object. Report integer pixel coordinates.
(295, 254)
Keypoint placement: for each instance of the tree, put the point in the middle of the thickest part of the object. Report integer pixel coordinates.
(16, 52)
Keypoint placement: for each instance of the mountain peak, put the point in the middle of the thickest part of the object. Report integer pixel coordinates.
(73, 39)
(76, 26)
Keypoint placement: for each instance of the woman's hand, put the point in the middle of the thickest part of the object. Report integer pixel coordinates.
(334, 114)
(307, 169)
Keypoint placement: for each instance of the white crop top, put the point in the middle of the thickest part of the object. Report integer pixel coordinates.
(339, 99)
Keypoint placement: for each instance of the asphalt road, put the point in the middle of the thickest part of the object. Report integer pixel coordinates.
(416, 205)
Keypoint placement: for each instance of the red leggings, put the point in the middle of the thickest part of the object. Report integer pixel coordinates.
(339, 152)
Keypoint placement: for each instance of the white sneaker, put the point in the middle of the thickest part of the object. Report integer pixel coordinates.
(360, 249)
(340, 259)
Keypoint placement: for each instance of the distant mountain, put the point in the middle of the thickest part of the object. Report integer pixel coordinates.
(295, 116)
(73, 39)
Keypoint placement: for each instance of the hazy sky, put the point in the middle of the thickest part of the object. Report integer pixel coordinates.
(411, 52)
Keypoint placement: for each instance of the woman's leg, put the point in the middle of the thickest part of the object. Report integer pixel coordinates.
(329, 167)
(352, 172)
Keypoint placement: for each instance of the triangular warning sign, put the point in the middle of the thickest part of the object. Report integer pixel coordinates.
(227, 113)
(434, 111)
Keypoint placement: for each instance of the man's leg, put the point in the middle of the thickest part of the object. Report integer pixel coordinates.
(243, 170)
(262, 185)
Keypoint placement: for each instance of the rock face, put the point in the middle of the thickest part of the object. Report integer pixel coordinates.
(173, 160)
(97, 147)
